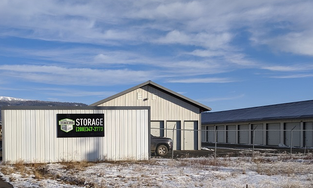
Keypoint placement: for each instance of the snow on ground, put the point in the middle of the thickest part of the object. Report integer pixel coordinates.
(277, 171)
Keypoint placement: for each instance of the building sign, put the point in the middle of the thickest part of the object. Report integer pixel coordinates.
(80, 125)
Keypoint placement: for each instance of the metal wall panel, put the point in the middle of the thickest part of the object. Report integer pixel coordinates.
(30, 136)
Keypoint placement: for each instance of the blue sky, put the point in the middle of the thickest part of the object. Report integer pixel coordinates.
(224, 54)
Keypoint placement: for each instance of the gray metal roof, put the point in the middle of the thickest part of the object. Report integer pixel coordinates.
(201, 106)
(293, 110)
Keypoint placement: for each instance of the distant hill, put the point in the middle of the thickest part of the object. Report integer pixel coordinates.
(10, 101)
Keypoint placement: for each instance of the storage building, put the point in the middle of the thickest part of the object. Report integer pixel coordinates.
(172, 114)
(288, 124)
(53, 134)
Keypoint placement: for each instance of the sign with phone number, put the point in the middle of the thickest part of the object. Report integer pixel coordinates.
(80, 125)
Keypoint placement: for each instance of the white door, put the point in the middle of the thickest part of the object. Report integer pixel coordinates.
(173, 131)
(190, 135)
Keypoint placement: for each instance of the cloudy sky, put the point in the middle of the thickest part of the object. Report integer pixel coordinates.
(224, 54)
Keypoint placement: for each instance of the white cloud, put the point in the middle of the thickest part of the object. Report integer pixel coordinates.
(297, 43)
(207, 53)
(74, 76)
(294, 76)
(201, 39)
(291, 68)
(207, 28)
(203, 80)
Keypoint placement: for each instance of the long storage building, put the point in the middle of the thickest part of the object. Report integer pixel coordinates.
(287, 124)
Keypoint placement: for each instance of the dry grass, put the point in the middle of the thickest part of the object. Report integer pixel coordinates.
(76, 166)
(284, 165)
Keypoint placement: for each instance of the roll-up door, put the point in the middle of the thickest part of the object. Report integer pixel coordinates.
(221, 134)
(273, 134)
(293, 134)
(231, 134)
(243, 134)
(257, 136)
(210, 132)
(176, 135)
(308, 134)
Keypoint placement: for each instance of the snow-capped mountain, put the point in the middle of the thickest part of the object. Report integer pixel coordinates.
(2, 98)
(11, 101)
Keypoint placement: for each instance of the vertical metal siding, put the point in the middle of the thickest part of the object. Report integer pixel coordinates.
(30, 136)
(164, 107)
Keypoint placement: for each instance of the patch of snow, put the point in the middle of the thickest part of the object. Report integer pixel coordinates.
(282, 145)
(159, 172)
(207, 149)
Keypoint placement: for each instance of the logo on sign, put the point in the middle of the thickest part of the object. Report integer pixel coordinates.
(66, 125)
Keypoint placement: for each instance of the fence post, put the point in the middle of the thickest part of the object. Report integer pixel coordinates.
(253, 134)
(215, 147)
(291, 140)
(173, 141)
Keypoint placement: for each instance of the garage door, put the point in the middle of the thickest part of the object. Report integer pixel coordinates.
(231, 134)
(210, 133)
(273, 134)
(258, 134)
(173, 131)
(243, 134)
(308, 134)
(221, 134)
(293, 133)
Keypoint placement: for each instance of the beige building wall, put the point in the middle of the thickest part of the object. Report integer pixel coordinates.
(163, 106)
(166, 108)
